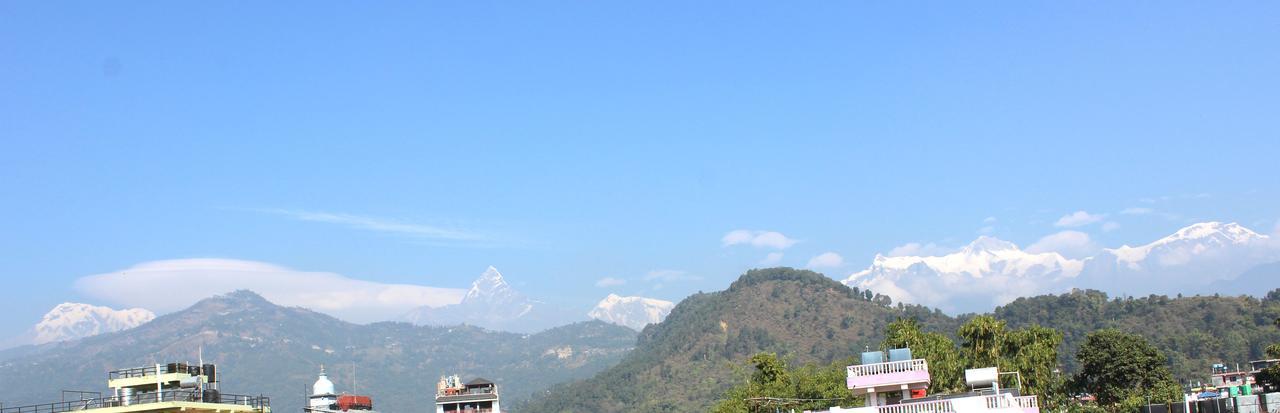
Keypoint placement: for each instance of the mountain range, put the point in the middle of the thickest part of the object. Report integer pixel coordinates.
(490, 303)
(1200, 258)
(73, 321)
(681, 364)
(634, 312)
(264, 348)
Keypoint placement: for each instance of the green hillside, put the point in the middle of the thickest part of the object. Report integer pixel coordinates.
(1193, 332)
(684, 363)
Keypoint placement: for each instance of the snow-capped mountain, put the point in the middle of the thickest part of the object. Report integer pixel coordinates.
(72, 321)
(1203, 239)
(493, 290)
(633, 312)
(1193, 259)
(964, 280)
(490, 303)
(1201, 258)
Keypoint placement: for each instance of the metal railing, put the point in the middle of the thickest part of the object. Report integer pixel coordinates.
(259, 403)
(132, 372)
(888, 367)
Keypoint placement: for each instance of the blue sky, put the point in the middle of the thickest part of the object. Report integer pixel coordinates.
(568, 142)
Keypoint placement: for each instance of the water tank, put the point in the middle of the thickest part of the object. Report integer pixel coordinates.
(872, 357)
(981, 377)
(211, 396)
(210, 372)
(900, 354)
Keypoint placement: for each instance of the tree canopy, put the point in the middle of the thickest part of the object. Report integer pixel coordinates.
(1124, 370)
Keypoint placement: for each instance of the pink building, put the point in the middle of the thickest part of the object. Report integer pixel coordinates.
(899, 385)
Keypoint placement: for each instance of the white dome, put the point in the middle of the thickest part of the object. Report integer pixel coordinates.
(323, 385)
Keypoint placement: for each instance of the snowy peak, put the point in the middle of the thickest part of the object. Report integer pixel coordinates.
(633, 312)
(1230, 232)
(985, 273)
(983, 257)
(1195, 239)
(1198, 258)
(490, 303)
(71, 321)
(489, 286)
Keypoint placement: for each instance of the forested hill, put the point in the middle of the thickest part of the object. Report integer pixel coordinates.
(685, 363)
(1193, 332)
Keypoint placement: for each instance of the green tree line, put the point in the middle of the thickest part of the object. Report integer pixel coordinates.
(1120, 370)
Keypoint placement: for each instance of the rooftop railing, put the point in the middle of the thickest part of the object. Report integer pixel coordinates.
(259, 403)
(132, 372)
(860, 370)
(919, 407)
(945, 405)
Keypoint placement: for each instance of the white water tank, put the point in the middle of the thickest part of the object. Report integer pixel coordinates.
(985, 377)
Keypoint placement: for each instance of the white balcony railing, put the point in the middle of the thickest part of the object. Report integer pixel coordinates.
(932, 406)
(860, 370)
(945, 406)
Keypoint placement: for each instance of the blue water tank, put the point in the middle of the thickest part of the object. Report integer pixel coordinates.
(872, 357)
(900, 354)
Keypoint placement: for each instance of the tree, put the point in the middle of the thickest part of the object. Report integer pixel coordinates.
(770, 371)
(981, 340)
(1033, 353)
(1123, 371)
(824, 386)
(1269, 377)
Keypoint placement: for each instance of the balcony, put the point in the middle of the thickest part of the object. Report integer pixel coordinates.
(892, 375)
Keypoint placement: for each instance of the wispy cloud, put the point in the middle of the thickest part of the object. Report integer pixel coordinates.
(759, 239)
(375, 224)
(1071, 244)
(826, 260)
(1078, 219)
(610, 282)
(151, 285)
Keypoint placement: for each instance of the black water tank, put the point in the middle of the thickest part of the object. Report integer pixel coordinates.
(212, 396)
(211, 372)
(171, 368)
